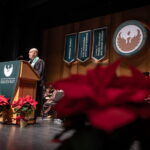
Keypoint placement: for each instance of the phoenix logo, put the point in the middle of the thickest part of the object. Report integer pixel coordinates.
(8, 70)
(129, 37)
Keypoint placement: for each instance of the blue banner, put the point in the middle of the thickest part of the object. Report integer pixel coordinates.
(99, 43)
(84, 44)
(70, 48)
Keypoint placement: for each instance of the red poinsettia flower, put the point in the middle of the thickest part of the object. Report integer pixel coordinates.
(108, 101)
(3, 103)
(4, 100)
(77, 95)
(19, 103)
(31, 101)
(23, 101)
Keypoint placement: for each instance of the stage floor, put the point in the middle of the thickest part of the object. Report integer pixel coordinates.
(32, 137)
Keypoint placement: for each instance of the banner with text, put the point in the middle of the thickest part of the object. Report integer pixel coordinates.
(70, 48)
(99, 43)
(8, 78)
(84, 44)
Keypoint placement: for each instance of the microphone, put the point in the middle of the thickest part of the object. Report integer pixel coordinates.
(20, 57)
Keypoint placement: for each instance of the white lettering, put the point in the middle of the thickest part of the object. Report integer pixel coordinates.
(7, 80)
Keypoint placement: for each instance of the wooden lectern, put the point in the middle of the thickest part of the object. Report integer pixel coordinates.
(26, 85)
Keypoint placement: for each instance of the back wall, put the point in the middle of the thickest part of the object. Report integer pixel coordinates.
(54, 43)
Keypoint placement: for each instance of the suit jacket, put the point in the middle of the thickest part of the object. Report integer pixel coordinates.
(40, 69)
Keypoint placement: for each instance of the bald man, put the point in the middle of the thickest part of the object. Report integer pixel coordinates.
(39, 66)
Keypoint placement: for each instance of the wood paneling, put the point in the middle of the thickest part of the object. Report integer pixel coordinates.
(54, 42)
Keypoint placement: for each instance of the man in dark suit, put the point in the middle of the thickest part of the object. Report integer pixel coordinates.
(39, 66)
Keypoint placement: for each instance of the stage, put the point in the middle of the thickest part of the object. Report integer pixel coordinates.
(32, 137)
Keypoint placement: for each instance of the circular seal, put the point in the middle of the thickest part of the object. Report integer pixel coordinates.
(129, 38)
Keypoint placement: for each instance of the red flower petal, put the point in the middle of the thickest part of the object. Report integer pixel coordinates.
(111, 118)
(75, 99)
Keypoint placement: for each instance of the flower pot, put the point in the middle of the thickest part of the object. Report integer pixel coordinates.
(23, 123)
(4, 117)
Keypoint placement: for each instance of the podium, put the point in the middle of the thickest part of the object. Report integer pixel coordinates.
(25, 84)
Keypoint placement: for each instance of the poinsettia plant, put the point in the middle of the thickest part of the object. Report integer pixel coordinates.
(102, 108)
(4, 103)
(24, 106)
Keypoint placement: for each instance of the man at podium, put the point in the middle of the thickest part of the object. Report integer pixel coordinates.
(39, 66)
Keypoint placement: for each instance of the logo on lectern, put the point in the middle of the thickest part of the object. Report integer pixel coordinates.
(8, 69)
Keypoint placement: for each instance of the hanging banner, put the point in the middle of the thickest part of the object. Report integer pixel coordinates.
(70, 48)
(99, 43)
(8, 78)
(84, 44)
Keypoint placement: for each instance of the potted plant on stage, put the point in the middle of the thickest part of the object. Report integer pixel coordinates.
(103, 111)
(24, 107)
(4, 107)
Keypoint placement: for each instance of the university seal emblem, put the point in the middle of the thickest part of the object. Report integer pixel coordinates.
(8, 70)
(129, 38)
